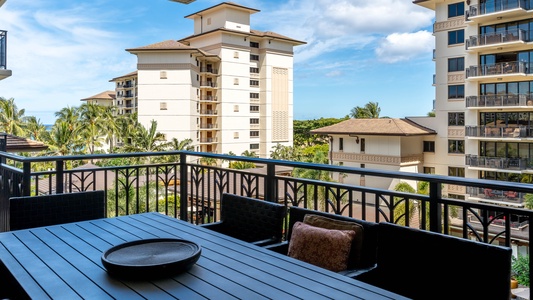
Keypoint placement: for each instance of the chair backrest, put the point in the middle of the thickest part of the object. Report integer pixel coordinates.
(250, 219)
(421, 264)
(35, 211)
(367, 255)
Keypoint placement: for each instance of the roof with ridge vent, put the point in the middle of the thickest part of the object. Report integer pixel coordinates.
(385, 126)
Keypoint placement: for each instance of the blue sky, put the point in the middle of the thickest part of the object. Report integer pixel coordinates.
(357, 51)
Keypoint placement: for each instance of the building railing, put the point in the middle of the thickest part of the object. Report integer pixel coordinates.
(499, 131)
(3, 50)
(208, 126)
(208, 84)
(186, 185)
(208, 112)
(507, 68)
(208, 70)
(491, 6)
(498, 162)
(208, 98)
(493, 38)
(499, 100)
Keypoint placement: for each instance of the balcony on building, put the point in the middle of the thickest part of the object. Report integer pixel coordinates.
(208, 84)
(208, 140)
(4, 72)
(208, 126)
(208, 71)
(508, 40)
(208, 98)
(496, 101)
(508, 70)
(491, 9)
(499, 132)
(208, 112)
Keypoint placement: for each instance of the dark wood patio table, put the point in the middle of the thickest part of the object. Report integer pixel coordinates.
(64, 262)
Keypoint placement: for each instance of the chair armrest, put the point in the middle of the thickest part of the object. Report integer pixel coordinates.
(282, 248)
(357, 272)
(215, 226)
(265, 242)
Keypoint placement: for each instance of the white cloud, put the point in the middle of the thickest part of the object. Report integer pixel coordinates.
(404, 46)
(331, 26)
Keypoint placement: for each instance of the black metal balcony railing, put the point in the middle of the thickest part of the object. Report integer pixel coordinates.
(499, 100)
(186, 185)
(491, 6)
(208, 70)
(499, 131)
(208, 84)
(208, 98)
(498, 162)
(493, 38)
(503, 68)
(3, 50)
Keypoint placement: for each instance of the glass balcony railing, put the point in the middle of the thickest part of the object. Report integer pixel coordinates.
(499, 100)
(3, 50)
(514, 163)
(494, 38)
(497, 69)
(495, 6)
(499, 131)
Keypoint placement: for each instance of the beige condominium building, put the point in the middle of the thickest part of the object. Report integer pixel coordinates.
(227, 87)
(125, 94)
(4, 71)
(484, 83)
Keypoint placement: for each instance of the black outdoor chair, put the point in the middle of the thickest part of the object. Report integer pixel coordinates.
(252, 220)
(35, 211)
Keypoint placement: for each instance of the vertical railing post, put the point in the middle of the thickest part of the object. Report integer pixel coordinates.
(183, 187)
(60, 177)
(435, 209)
(270, 183)
(26, 179)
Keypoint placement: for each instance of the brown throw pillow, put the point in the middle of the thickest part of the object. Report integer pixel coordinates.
(321, 247)
(329, 223)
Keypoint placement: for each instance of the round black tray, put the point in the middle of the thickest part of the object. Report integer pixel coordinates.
(151, 258)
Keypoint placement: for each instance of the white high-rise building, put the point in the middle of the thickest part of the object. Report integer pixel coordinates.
(484, 84)
(4, 71)
(227, 87)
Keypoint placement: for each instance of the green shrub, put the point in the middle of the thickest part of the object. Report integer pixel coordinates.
(520, 269)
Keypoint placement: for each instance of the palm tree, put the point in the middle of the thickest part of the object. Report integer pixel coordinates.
(146, 140)
(240, 165)
(371, 110)
(111, 128)
(319, 158)
(69, 115)
(35, 129)
(62, 141)
(12, 120)
(177, 145)
(94, 124)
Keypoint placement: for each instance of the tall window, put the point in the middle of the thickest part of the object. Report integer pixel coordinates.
(456, 37)
(341, 144)
(363, 146)
(456, 146)
(456, 64)
(429, 146)
(456, 119)
(456, 9)
(456, 91)
(457, 172)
